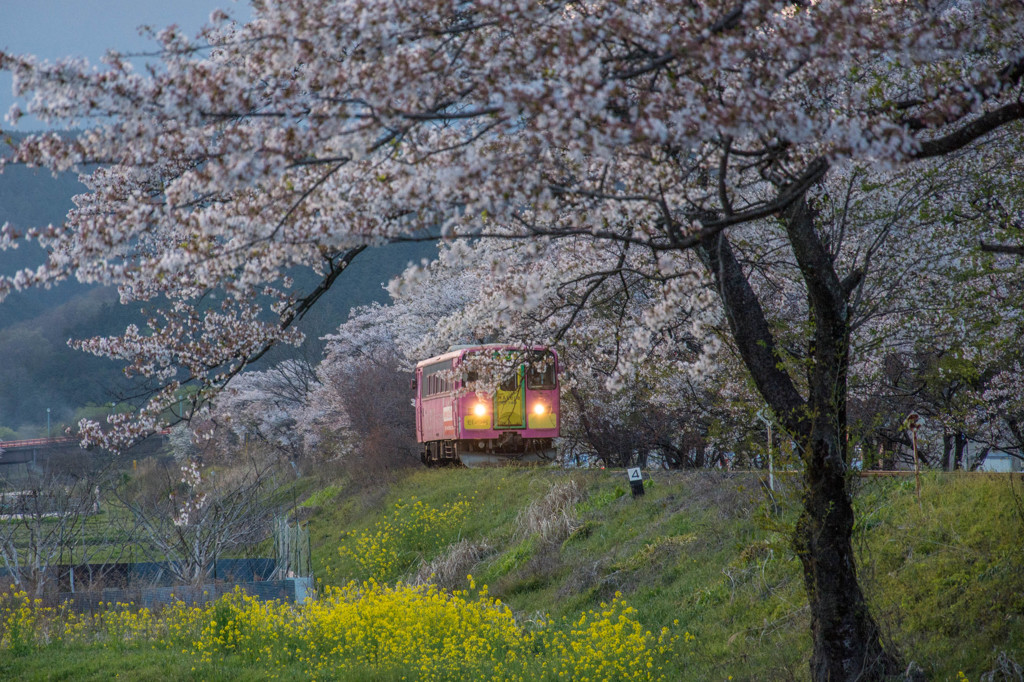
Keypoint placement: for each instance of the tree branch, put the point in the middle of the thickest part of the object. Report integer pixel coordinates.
(970, 132)
(752, 334)
(1002, 248)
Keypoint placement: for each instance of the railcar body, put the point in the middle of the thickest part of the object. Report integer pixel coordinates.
(515, 421)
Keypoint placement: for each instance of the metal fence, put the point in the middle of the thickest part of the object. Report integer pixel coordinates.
(296, 590)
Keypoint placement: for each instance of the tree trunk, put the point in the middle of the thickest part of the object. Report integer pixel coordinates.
(947, 451)
(699, 450)
(959, 450)
(847, 645)
(846, 639)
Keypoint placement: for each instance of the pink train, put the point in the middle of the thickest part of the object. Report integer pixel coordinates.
(517, 422)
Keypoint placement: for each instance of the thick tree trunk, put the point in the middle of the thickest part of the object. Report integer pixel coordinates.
(847, 645)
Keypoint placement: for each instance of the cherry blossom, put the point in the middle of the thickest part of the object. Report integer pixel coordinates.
(693, 146)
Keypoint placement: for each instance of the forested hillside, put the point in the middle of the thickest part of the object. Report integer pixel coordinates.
(40, 371)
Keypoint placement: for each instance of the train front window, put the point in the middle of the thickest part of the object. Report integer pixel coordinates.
(510, 383)
(540, 370)
(509, 369)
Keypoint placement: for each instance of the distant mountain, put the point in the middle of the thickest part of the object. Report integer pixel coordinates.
(31, 198)
(39, 371)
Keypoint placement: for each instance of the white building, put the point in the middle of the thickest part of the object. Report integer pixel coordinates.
(1001, 462)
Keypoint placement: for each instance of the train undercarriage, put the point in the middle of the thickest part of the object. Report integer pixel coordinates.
(510, 449)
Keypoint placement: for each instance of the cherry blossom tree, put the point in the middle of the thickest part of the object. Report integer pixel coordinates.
(267, 405)
(569, 294)
(190, 517)
(382, 343)
(40, 527)
(682, 131)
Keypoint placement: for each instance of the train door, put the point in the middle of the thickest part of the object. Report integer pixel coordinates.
(417, 385)
(510, 403)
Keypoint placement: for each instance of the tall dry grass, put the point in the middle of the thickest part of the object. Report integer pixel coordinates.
(450, 568)
(553, 517)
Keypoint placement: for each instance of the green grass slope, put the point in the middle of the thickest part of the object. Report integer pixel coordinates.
(705, 553)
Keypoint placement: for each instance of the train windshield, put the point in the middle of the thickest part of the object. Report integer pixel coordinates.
(508, 368)
(509, 383)
(540, 369)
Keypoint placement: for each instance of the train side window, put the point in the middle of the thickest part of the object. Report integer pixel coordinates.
(433, 383)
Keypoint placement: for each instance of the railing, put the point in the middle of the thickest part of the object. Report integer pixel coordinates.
(34, 442)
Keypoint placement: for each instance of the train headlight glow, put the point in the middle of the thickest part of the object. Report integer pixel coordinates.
(480, 410)
(539, 409)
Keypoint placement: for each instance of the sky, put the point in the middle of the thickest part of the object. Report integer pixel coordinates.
(53, 29)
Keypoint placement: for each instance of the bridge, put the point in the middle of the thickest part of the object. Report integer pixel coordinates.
(20, 457)
(21, 451)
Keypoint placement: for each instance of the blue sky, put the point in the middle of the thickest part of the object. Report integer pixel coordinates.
(87, 28)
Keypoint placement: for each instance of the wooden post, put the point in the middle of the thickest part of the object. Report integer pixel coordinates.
(913, 423)
(917, 465)
(762, 414)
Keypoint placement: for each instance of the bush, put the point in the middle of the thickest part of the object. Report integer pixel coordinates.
(414, 531)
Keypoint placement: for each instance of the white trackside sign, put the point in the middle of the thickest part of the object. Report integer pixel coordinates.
(634, 474)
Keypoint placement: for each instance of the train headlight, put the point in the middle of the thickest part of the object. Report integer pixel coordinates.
(480, 410)
(539, 409)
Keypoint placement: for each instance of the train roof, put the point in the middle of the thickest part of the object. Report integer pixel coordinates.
(457, 351)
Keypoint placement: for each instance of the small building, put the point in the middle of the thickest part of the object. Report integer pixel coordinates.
(998, 461)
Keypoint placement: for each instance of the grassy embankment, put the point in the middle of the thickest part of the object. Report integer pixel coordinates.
(700, 554)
